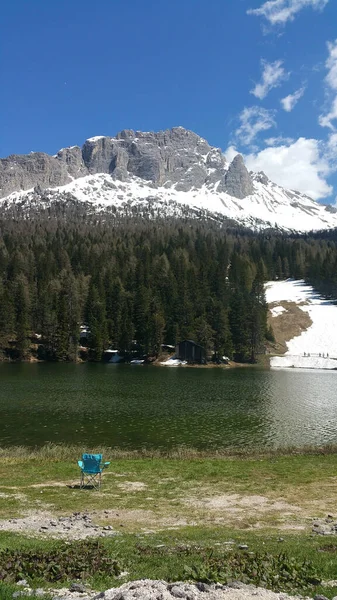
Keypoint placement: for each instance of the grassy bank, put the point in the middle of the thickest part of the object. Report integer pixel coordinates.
(192, 553)
(178, 509)
(184, 487)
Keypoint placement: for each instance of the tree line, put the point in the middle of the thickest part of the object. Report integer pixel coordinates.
(138, 284)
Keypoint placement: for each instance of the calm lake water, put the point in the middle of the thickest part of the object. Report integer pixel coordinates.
(143, 406)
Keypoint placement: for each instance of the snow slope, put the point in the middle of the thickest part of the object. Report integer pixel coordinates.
(319, 339)
(269, 205)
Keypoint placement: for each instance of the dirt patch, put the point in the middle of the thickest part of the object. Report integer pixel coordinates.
(254, 511)
(287, 325)
(247, 504)
(18, 496)
(132, 486)
(77, 526)
(51, 484)
(146, 520)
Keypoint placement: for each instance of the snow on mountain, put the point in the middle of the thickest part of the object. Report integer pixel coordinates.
(269, 205)
(315, 348)
(170, 173)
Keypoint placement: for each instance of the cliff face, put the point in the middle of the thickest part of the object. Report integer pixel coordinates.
(176, 157)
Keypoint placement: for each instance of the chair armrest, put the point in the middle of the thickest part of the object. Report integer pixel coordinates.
(80, 464)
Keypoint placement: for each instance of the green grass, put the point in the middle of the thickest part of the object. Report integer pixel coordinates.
(170, 489)
(7, 591)
(166, 555)
(46, 479)
(156, 498)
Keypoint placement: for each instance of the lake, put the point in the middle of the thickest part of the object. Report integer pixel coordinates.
(143, 406)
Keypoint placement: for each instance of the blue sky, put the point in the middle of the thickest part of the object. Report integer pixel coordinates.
(254, 76)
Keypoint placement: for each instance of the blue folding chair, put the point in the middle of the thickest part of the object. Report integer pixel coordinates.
(92, 467)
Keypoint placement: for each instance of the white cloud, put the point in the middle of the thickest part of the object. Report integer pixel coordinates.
(272, 75)
(278, 141)
(303, 165)
(289, 102)
(230, 153)
(326, 120)
(253, 120)
(278, 12)
(332, 145)
(331, 65)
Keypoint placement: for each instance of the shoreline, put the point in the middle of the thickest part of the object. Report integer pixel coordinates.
(62, 451)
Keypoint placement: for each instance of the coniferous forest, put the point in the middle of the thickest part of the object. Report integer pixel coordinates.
(138, 284)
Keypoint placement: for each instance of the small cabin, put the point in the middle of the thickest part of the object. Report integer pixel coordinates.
(191, 352)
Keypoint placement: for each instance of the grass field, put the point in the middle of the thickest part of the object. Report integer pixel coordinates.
(175, 511)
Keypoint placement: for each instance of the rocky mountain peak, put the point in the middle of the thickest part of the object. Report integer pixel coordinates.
(238, 182)
(175, 157)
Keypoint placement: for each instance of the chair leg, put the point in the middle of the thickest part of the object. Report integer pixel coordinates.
(93, 480)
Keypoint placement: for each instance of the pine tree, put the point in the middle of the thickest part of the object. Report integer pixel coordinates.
(22, 310)
(96, 320)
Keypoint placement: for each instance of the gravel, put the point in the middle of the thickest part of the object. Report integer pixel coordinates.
(147, 589)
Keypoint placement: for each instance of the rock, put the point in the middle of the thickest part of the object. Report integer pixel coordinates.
(22, 172)
(261, 177)
(203, 587)
(22, 582)
(98, 596)
(243, 547)
(236, 585)
(230, 543)
(174, 157)
(177, 591)
(72, 159)
(320, 597)
(237, 182)
(194, 177)
(77, 587)
(107, 527)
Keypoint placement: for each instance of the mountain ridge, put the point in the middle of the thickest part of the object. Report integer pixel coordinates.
(171, 168)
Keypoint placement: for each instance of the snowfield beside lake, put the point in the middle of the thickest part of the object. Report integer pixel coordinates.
(319, 339)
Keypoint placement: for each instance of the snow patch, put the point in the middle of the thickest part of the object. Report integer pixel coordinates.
(173, 362)
(277, 310)
(95, 138)
(315, 348)
(269, 205)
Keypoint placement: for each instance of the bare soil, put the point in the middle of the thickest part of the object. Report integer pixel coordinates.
(287, 325)
(238, 510)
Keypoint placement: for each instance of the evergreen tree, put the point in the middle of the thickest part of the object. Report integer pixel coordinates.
(96, 320)
(22, 308)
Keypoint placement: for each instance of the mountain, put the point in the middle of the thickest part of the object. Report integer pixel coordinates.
(168, 173)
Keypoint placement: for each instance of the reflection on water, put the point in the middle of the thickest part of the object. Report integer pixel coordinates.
(152, 407)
